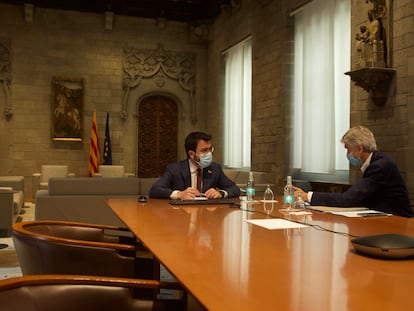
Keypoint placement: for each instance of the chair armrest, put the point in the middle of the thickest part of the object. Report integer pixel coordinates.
(49, 279)
(71, 175)
(6, 190)
(36, 174)
(23, 228)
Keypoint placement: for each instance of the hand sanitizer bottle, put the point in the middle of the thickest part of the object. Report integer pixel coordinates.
(299, 201)
(268, 194)
(268, 200)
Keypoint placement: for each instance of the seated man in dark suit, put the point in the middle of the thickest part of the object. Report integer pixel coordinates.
(381, 188)
(196, 176)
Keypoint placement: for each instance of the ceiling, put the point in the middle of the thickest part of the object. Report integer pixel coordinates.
(178, 10)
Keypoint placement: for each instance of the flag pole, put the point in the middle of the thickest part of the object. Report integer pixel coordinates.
(94, 149)
(107, 156)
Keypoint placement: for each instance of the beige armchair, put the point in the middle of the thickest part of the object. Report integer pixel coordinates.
(112, 171)
(41, 180)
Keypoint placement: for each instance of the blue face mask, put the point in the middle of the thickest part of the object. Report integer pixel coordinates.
(206, 160)
(353, 161)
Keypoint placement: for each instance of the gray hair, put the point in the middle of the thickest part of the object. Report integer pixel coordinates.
(360, 135)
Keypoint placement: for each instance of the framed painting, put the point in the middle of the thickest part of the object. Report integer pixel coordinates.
(67, 109)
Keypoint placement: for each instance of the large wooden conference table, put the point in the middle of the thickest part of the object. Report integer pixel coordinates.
(230, 264)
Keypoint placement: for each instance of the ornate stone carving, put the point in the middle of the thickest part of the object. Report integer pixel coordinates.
(158, 65)
(5, 76)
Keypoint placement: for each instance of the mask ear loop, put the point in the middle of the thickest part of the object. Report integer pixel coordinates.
(193, 158)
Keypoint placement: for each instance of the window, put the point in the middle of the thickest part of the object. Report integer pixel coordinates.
(321, 89)
(237, 105)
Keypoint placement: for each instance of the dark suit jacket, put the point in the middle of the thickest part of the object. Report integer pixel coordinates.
(381, 188)
(178, 177)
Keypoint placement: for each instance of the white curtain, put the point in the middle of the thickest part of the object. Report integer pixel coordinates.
(321, 89)
(237, 105)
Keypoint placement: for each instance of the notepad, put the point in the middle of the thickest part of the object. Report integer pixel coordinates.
(329, 209)
(365, 213)
(348, 211)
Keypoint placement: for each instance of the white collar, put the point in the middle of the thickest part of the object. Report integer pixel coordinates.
(366, 163)
(193, 167)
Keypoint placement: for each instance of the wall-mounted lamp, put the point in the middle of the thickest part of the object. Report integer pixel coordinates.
(109, 20)
(28, 13)
(161, 22)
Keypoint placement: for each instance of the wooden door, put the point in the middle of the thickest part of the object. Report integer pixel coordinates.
(157, 135)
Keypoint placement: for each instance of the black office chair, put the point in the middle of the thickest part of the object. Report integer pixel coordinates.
(76, 293)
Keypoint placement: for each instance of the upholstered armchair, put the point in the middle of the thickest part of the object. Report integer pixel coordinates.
(41, 180)
(78, 292)
(54, 247)
(61, 247)
(11, 201)
(112, 171)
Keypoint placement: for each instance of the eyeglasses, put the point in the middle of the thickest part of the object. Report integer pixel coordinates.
(205, 150)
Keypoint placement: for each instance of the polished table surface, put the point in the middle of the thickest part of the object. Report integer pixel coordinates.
(230, 264)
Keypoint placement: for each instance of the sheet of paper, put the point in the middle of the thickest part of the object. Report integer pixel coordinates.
(275, 223)
(300, 213)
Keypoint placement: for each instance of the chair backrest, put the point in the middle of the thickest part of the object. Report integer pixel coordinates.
(111, 171)
(6, 209)
(57, 247)
(145, 184)
(69, 293)
(49, 171)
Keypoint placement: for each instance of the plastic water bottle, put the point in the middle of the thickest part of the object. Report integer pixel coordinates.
(288, 198)
(250, 189)
(299, 201)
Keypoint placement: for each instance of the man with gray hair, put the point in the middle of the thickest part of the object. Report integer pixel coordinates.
(381, 188)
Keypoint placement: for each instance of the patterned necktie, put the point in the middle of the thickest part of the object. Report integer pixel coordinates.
(199, 179)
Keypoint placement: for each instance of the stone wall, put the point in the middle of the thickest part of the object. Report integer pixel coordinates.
(269, 25)
(392, 122)
(76, 45)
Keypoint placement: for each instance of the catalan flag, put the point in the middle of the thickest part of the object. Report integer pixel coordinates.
(107, 156)
(94, 150)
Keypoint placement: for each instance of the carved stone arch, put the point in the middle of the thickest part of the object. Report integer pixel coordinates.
(160, 67)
